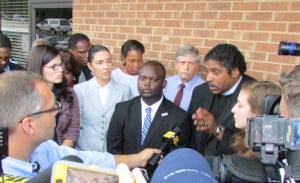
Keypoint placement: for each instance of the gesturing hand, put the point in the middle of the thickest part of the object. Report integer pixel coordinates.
(204, 121)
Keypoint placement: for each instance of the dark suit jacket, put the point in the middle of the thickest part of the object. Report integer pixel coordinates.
(203, 97)
(14, 66)
(124, 132)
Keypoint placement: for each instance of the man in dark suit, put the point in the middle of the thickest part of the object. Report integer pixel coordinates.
(212, 101)
(6, 63)
(125, 133)
(79, 45)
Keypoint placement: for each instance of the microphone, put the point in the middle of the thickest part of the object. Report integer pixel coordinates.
(170, 138)
(45, 175)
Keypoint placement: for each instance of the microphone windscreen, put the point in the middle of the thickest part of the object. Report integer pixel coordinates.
(177, 130)
(45, 175)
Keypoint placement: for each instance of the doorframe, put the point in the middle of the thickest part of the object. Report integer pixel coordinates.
(38, 4)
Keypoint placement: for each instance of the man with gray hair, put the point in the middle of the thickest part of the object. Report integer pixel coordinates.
(28, 110)
(180, 87)
(290, 99)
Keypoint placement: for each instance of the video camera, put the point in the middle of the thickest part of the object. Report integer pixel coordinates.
(274, 138)
(270, 134)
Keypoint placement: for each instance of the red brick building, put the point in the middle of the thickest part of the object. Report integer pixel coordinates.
(255, 26)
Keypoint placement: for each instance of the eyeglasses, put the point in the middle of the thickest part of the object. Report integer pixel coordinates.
(55, 66)
(57, 108)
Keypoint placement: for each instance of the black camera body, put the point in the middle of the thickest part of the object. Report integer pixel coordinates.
(271, 134)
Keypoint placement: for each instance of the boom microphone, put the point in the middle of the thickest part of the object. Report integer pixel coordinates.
(170, 138)
(45, 175)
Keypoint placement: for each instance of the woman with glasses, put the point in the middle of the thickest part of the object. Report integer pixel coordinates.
(97, 99)
(46, 61)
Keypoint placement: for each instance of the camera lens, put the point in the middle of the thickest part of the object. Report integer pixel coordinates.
(289, 48)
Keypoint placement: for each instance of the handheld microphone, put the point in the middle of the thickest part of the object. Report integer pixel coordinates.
(170, 138)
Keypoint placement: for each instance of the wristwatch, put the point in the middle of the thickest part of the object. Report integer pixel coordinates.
(220, 129)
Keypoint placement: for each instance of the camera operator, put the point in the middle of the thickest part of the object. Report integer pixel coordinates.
(249, 104)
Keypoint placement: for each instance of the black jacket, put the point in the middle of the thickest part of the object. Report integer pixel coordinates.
(203, 97)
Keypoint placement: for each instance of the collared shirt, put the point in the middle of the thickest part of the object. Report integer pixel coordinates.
(48, 153)
(172, 88)
(7, 68)
(103, 92)
(154, 108)
(232, 89)
(129, 80)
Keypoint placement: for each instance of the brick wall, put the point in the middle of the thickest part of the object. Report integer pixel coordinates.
(256, 27)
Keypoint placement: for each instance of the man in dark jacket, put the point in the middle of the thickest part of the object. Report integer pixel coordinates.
(6, 63)
(79, 45)
(212, 101)
(142, 122)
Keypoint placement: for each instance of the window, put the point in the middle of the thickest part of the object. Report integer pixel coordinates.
(14, 23)
(18, 20)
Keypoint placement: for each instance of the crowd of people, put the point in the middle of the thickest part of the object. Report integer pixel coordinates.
(74, 103)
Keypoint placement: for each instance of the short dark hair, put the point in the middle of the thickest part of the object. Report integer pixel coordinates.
(132, 44)
(158, 64)
(228, 56)
(75, 38)
(4, 41)
(94, 49)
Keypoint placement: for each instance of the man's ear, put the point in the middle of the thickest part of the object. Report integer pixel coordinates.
(72, 51)
(165, 83)
(27, 125)
(235, 72)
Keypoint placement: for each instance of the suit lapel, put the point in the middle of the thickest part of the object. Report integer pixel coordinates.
(94, 94)
(113, 94)
(136, 119)
(226, 111)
